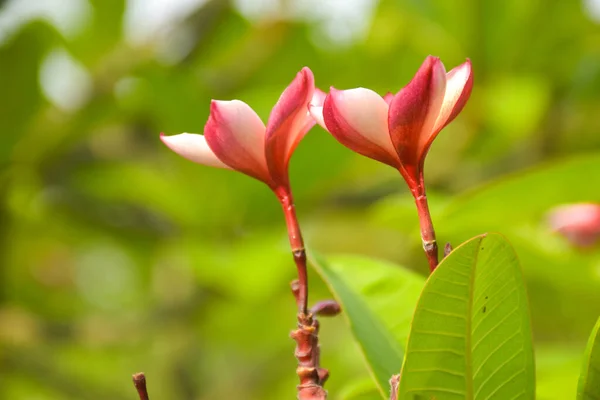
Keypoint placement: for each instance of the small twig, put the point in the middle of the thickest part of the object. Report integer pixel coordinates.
(394, 382)
(139, 381)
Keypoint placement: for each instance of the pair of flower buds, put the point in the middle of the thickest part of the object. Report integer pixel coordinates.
(394, 129)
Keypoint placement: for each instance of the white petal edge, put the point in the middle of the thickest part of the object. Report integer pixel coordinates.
(438, 86)
(367, 113)
(193, 147)
(456, 80)
(317, 113)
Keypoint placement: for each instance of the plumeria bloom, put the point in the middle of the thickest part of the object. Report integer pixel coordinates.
(579, 223)
(398, 129)
(236, 138)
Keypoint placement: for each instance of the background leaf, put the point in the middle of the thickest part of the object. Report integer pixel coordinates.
(589, 382)
(378, 299)
(470, 336)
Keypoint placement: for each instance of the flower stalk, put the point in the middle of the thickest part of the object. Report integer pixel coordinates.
(297, 246)
(430, 246)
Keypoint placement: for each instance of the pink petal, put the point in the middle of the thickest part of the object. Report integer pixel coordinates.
(237, 135)
(193, 147)
(459, 83)
(288, 123)
(388, 97)
(414, 110)
(357, 118)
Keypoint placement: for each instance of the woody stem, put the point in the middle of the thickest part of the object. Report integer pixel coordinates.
(427, 232)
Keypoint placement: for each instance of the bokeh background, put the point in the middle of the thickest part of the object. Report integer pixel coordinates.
(117, 256)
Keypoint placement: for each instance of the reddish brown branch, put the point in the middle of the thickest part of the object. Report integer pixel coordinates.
(312, 376)
(139, 381)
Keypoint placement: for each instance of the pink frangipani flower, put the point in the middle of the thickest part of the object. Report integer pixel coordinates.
(236, 138)
(398, 129)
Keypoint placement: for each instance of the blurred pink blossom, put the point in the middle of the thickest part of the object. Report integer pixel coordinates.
(579, 223)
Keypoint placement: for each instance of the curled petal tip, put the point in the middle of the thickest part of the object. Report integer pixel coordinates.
(306, 71)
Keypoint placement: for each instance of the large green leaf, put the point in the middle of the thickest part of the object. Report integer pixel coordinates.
(470, 336)
(378, 300)
(589, 382)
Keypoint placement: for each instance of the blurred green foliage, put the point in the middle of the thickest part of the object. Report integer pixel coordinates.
(118, 256)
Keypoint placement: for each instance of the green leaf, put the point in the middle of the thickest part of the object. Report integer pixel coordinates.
(378, 299)
(470, 336)
(364, 389)
(589, 381)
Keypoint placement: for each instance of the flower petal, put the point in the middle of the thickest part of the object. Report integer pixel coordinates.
(315, 108)
(288, 123)
(193, 147)
(357, 118)
(237, 135)
(414, 110)
(388, 97)
(459, 83)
